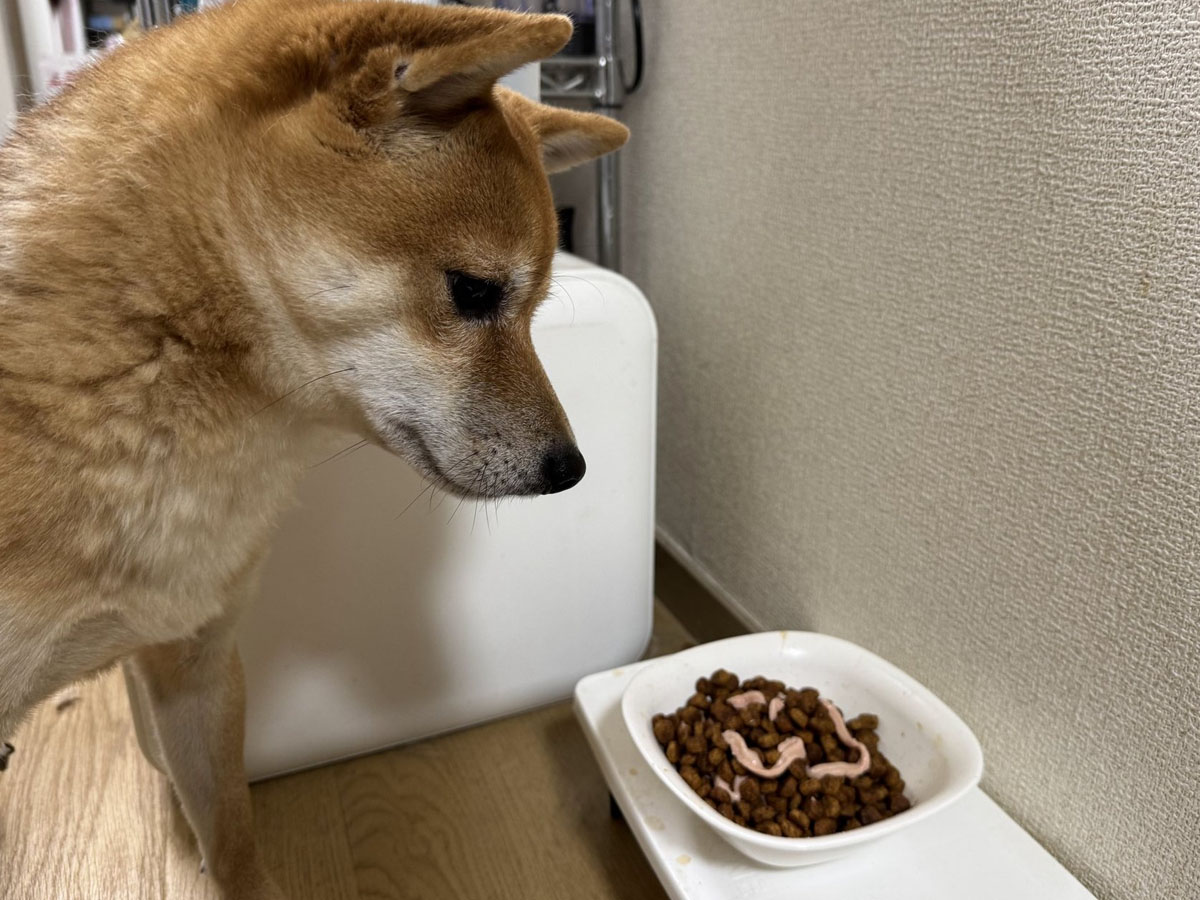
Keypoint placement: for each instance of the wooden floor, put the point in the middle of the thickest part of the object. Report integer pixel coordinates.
(514, 809)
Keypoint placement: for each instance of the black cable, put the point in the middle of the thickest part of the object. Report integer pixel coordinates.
(635, 9)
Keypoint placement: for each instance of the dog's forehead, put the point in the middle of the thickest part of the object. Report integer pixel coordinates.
(497, 201)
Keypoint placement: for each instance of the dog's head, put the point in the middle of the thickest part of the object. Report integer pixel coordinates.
(409, 241)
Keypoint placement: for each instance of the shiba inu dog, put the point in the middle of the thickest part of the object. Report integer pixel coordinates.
(261, 222)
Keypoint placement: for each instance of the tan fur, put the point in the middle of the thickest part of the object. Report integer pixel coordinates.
(223, 238)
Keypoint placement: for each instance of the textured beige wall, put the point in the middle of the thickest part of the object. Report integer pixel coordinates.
(928, 284)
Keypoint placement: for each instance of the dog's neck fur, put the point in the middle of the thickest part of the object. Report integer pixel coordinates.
(142, 451)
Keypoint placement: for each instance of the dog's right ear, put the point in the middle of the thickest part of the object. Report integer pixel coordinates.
(378, 57)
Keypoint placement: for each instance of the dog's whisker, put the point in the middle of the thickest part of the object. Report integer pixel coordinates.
(470, 490)
(343, 452)
(301, 387)
(431, 486)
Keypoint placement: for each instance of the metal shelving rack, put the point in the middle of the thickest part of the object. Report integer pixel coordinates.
(596, 79)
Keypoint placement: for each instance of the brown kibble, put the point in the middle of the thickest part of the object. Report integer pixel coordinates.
(768, 740)
(868, 739)
(821, 724)
(823, 827)
(664, 729)
(794, 804)
(870, 815)
(874, 795)
(724, 679)
(762, 813)
(864, 721)
(810, 786)
(750, 790)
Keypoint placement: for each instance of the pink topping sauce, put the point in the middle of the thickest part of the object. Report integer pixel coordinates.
(744, 699)
(775, 708)
(845, 769)
(734, 792)
(792, 749)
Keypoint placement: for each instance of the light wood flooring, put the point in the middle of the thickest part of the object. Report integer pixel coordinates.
(513, 809)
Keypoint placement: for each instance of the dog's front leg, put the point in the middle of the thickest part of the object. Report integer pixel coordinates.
(190, 698)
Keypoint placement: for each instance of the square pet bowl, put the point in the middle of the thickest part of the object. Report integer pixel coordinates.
(936, 753)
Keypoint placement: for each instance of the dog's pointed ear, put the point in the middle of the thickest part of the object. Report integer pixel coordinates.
(436, 74)
(429, 58)
(447, 74)
(568, 137)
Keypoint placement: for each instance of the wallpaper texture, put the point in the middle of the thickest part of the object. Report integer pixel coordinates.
(928, 285)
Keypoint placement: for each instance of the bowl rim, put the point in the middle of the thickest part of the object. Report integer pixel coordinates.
(669, 775)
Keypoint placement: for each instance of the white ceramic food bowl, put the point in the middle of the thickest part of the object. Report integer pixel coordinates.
(935, 751)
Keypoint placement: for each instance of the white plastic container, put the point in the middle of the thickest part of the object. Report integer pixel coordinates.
(374, 630)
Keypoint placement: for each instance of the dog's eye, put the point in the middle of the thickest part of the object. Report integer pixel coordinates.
(474, 298)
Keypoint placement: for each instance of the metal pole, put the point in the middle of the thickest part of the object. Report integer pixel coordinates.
(608, 173)
(152, 13)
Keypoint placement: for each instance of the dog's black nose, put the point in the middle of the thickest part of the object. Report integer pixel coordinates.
(562, 468)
